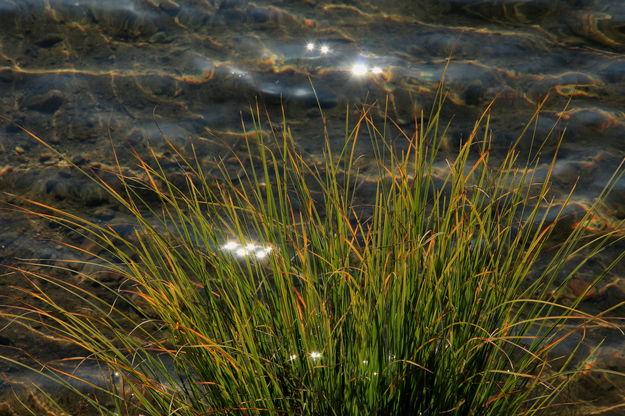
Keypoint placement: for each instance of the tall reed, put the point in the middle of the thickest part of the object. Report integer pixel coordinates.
(284, 291)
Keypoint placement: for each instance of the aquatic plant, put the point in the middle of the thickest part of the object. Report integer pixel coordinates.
(283, 290)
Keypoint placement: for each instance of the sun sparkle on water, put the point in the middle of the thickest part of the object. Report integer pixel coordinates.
(248, 249)
(359, 69)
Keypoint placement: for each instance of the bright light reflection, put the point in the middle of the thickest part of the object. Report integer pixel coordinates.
(315, 355)
(248, 249)
(292, 357)
(230, 245)
(325, 49)
(310, 46)
(359, 69)
(261, 254)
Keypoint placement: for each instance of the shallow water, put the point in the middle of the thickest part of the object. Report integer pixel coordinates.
(90, 75)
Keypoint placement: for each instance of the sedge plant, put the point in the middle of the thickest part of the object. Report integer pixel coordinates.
(281, 290)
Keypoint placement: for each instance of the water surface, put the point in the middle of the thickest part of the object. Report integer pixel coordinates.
(90, 76)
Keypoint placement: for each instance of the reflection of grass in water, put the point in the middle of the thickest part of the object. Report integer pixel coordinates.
(417, 303)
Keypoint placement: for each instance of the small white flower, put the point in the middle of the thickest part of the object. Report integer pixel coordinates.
(315, 355)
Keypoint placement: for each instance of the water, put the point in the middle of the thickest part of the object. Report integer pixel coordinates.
(92, 75)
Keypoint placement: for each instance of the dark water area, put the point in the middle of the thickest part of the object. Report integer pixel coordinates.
(90, 76)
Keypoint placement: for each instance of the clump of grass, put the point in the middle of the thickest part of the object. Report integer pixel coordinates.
(281, 291)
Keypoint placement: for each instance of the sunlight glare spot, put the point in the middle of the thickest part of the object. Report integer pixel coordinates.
(263, 252)
(247, 249)
(230, 245)
(310, 46)
(315, 355)
(325, 49)
(359, 69)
